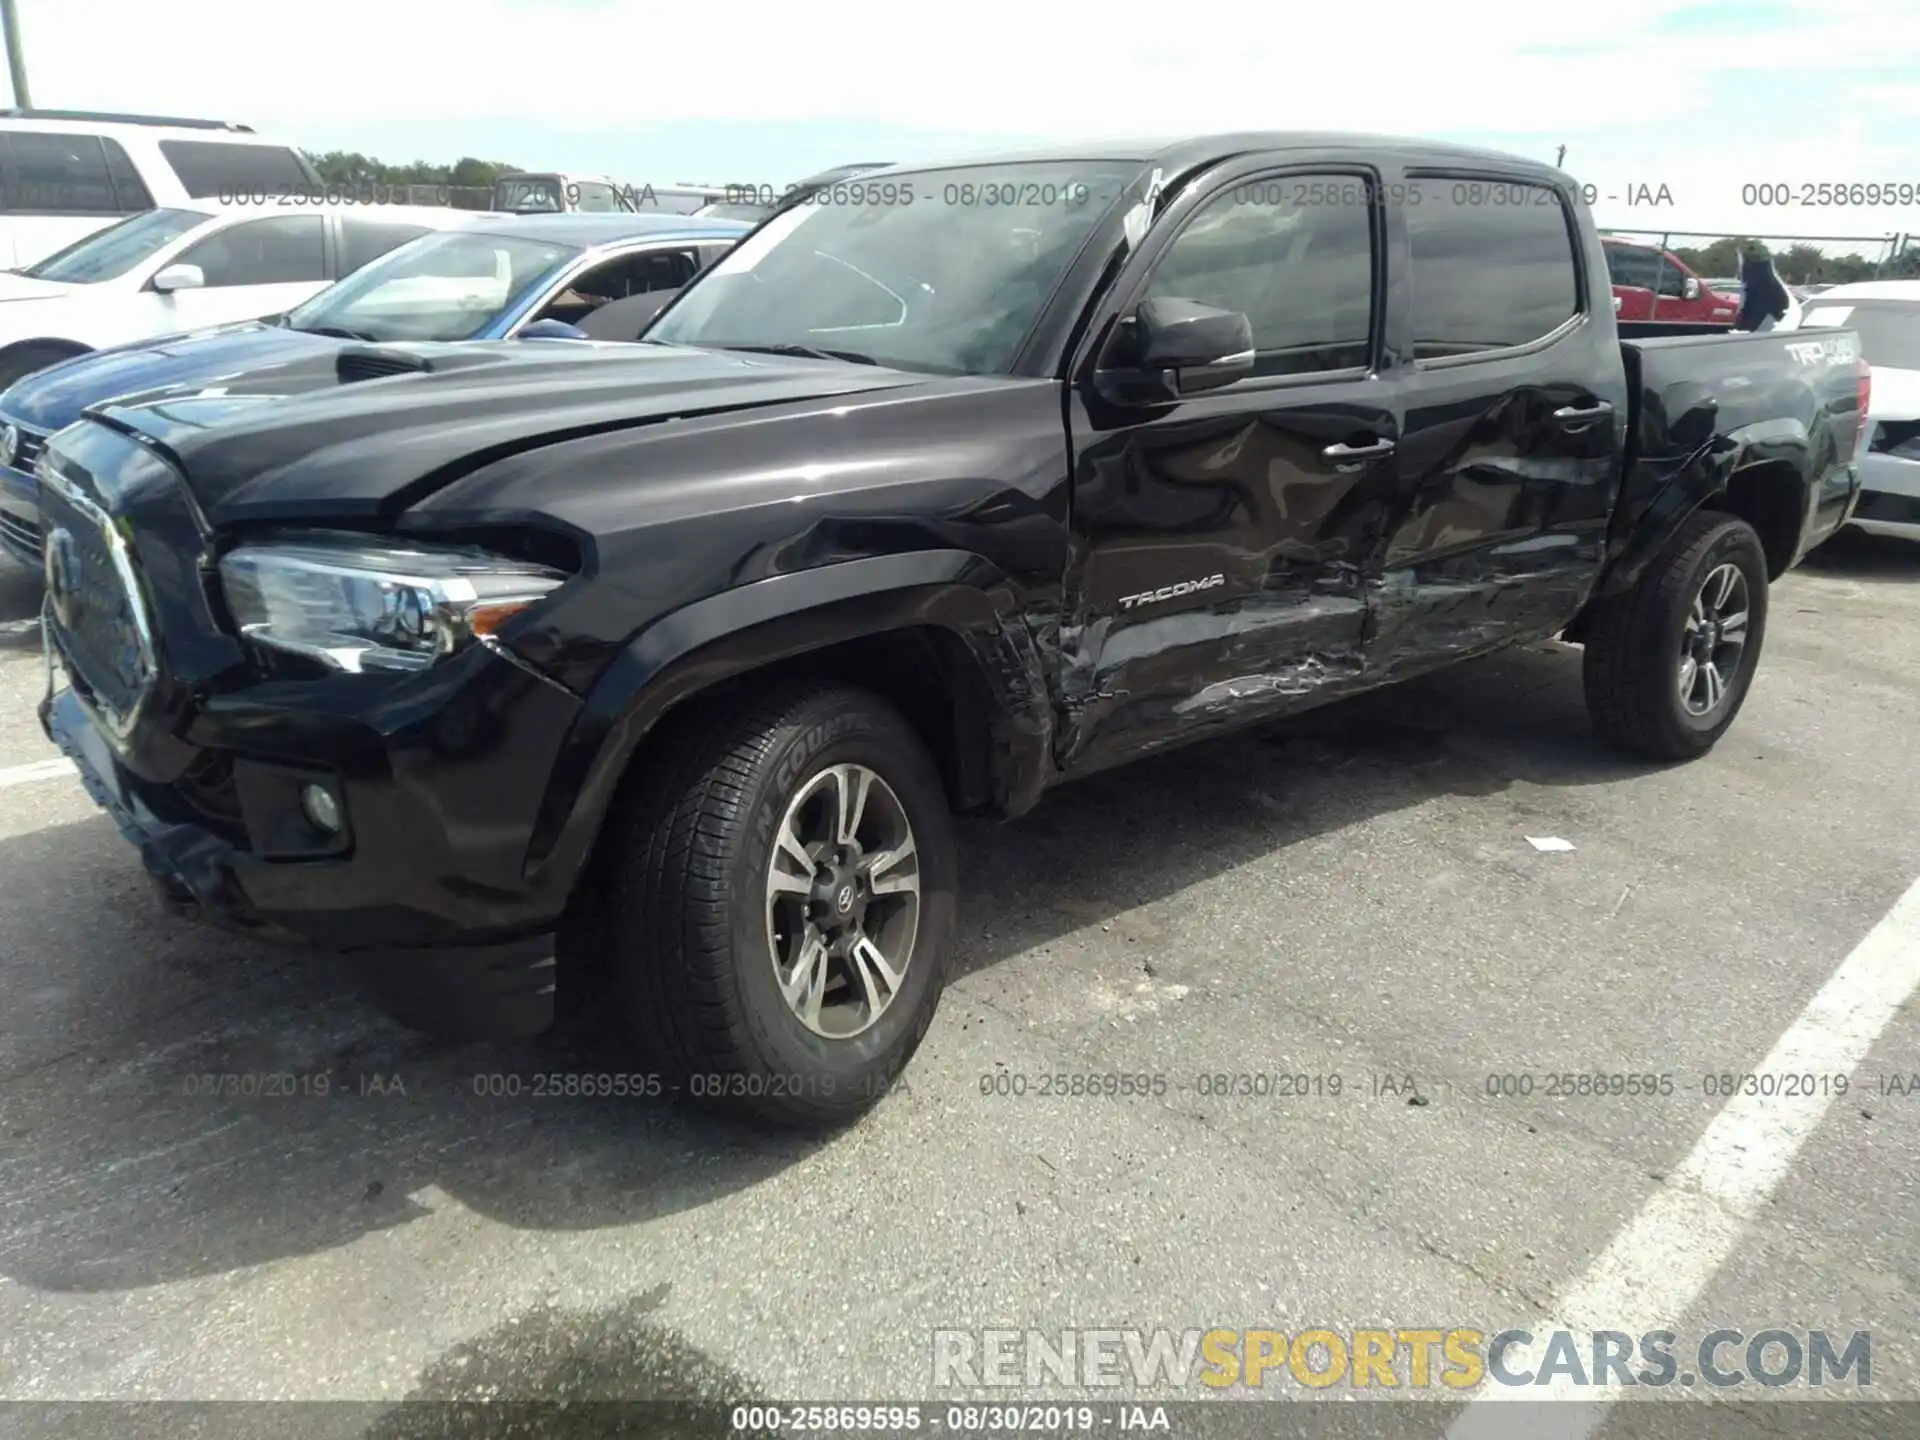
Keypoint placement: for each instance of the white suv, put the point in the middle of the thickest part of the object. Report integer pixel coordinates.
(66, 173)
(180, 268)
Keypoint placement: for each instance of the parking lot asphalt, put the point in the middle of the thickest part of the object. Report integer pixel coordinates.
(1350, 898)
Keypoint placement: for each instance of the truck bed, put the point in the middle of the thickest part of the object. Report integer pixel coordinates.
(1786, 398)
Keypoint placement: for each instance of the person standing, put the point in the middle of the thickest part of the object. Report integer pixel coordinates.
(1764, 301)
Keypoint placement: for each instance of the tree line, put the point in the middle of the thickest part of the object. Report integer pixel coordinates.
(1797, 264)
(350, 167)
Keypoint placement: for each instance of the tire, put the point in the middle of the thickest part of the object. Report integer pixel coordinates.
(692, 927)
(22, 360)
(1638, 641)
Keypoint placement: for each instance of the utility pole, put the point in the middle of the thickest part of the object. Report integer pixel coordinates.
(16, 62)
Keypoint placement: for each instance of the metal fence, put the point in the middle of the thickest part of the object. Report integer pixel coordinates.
(458, 197)
(1882, 249)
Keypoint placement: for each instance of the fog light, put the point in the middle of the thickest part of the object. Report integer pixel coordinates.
(320, 806)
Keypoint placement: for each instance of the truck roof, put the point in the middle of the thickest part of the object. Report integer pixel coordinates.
(1179, 154)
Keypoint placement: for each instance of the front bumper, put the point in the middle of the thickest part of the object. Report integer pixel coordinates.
(425, 891)
(1889, 496)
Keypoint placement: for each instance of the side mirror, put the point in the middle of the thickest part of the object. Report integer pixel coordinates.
(1183, 348)
(552, 330)
(1690, 289)
(179, 277)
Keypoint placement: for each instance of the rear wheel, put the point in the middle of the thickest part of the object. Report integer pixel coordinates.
(782, 904)
(1669, 662)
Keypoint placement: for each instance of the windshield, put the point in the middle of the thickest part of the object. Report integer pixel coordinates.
(1889, 330)
(449, 285)
(110, 253)
(539, 192)
(943, 270)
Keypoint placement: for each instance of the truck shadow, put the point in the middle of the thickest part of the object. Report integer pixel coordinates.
(1851, 555)
(20, 596)
(122, 1165)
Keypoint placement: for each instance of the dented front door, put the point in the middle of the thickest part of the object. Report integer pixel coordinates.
(1222, 540)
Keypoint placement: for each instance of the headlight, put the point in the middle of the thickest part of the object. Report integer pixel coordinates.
(361, 605)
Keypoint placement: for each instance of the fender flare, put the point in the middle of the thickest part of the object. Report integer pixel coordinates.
(1706, 473)
(690, 650)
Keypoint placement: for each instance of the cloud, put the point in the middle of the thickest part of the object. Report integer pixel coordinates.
(992, 65)
(1704, 98)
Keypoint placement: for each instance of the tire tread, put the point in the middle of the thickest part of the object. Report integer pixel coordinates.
(1624, 671)
(670, 898)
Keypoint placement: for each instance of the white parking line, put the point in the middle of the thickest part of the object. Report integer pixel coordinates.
(1659, 1265)
(38, 770)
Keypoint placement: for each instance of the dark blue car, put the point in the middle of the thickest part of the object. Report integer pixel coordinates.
(489, 281)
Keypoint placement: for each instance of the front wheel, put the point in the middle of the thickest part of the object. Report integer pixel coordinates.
(783, 903)
(1669, 662)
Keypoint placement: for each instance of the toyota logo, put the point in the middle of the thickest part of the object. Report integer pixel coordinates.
(63, 577)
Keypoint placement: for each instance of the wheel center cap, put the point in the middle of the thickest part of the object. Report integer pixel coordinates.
(843, 901)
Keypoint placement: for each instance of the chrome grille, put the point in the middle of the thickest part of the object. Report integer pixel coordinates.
(20, 538)
(26, 449)
(94, 606)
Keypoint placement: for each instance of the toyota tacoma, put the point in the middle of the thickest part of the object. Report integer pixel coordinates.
(663, 669)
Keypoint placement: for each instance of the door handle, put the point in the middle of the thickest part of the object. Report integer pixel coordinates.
(1574, 415)
(1352, 457)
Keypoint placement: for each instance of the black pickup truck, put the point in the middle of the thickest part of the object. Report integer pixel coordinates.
(674, 660)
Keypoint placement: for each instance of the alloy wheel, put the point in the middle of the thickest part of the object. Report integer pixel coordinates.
(843, 901)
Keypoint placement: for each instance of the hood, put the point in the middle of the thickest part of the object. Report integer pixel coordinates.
(25, 287)
(367, 449)
(1896, 394)
(250, 357)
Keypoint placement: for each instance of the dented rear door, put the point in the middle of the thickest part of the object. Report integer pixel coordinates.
(1515, 419)
(1222, 540)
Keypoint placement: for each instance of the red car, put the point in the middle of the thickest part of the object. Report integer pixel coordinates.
(1650, 283)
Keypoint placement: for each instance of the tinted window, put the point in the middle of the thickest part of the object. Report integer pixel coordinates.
(364, 240)
(522, 195)
(1673, 281)
(1633, 266)
(637, 274)
(110, 253)
(946, 283)
(278, 251)
(58, 175)
(128, 187)
(223, 169)
(448, 285)
(1492, 265)
(1295, 255)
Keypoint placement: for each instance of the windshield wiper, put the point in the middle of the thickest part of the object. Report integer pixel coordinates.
(338, 332)
(809, 352)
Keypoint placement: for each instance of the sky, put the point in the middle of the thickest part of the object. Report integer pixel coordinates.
(1704, 100)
